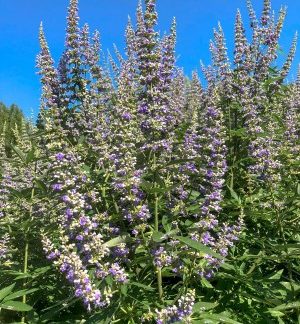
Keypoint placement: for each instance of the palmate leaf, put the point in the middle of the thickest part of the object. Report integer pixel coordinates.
(198, 246)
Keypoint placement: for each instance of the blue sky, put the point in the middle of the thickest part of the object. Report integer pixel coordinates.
(20, 19)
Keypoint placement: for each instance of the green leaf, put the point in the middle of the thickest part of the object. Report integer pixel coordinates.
(81, 139)
(165, 223)
(206, 283)
(161, 189)
(158, 236)
(41, 270)
(146, 185)
(180, 161)
(20, 293)
(6, 291)
(20, 154)
(188, 223)
(124, 289)
(292, 246)
(30, 156)
(194, 194)
(23, 276)
(240, 132)
(104, 316)
(40, 184)
(86, 168)
(116, 241)
(203, 306)
(269, 81)
(198, 246)
(137, 284)
(276, 276)
(220, 318)
(287, 285)
(234, 195)
(275, 313)
(16, 306)
(227, 266)
(287, 306)
(194, 208)
(12, 272)
(50, 312)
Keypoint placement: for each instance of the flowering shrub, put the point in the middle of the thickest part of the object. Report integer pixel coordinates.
(136, 185)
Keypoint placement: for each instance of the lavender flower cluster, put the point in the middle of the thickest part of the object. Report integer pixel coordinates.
(180, 312)
(4, 250)
(81, 245)
(138, 157)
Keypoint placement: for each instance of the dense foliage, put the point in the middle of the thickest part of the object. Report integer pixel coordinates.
(10, 122)
(143, 197)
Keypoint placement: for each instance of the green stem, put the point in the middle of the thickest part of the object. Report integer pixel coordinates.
(232, 151)
(26, 251)
(158, 269)
(156, 220)
(159, 283)
(25, 266)
(282, 235)
(103, 189)
(156, 212)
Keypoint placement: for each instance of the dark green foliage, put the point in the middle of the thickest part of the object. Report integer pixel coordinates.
(11, 119)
